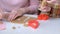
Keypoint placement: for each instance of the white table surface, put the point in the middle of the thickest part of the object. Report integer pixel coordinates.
(51, 26)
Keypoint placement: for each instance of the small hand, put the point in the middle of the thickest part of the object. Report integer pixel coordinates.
(52, 1)
(1, 14)
(16, 13)
(45, 9)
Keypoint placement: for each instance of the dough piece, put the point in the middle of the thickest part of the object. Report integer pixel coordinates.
(22, 20)
(19, 20)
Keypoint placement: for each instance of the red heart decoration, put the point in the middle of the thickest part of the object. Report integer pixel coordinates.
(33, 23)
(43, 17)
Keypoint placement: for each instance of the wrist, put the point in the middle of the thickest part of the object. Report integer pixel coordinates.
(25, 10)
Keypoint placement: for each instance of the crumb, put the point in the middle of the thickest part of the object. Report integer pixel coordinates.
(13, 27)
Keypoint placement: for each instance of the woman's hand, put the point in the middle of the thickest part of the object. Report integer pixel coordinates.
(15, 13)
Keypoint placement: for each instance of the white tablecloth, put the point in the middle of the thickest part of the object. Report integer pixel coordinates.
(51, 26)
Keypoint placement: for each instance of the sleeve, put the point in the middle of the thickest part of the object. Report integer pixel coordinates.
(33, 6)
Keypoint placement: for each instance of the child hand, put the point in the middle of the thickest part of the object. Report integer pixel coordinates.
(52, 1)
(16, 13)
(45, 9)
(1, 14)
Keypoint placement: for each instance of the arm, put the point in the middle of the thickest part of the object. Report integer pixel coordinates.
(33, 6)
(30, 9)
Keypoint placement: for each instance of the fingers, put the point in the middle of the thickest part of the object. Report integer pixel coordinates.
(0, 16)
(52, 1)
(11, 16)
(14, 14)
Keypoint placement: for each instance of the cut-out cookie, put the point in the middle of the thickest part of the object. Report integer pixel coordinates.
(20, 20)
